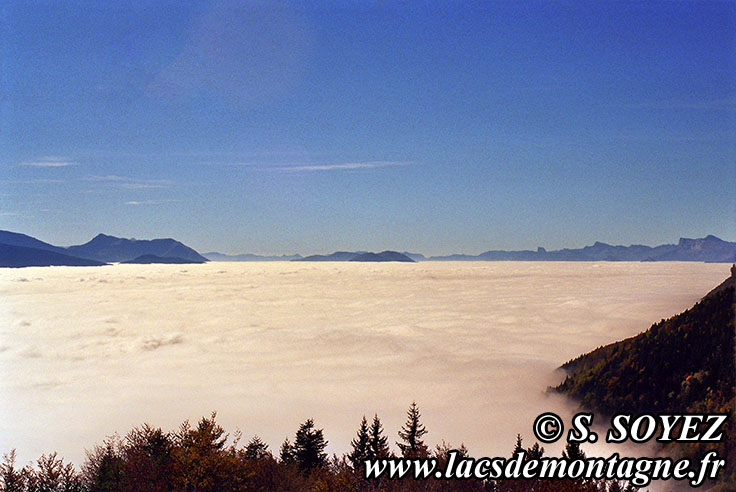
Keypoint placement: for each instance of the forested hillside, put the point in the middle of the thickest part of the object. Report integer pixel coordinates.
(684, 364)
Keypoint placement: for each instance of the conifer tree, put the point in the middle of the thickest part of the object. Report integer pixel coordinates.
(286, 452)
(573, 452)
(518, 448)
(378, 442)
(104, 467)
(535, 452)
(412, 445)
(361, 447)
(309, 446)
(256, 449)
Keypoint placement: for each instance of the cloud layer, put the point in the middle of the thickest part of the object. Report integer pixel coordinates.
(49, 162)
(344, 166)
(85, 352)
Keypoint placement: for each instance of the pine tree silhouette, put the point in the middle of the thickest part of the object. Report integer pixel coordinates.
(519, 447)
(309, 446)
(411, 434)
(535, 452)
(378, 442)
(573, 452)
(256, 449)
(361, 447)
(286, 452)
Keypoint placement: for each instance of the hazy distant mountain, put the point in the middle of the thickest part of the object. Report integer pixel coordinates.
(597, 252)
(455, 257)
(382, 257)
(336, 256)
(104, 248)
(215, 256)
(415, 256)
(20, 256)
(17, 239)
(148, 259)
(111, 248)
(359, 256)
(98, 251)
(708, 249)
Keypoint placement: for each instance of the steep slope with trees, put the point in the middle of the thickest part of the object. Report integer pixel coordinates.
(684, 364)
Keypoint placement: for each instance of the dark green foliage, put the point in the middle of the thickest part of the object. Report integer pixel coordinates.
(518, 447)
(412, 445)
(684, 364)
(257, 449)
(536, 452)
(361, 447)
(286, 452)
(103, 471)
(573, 452)
(378, 442)
(309, 447)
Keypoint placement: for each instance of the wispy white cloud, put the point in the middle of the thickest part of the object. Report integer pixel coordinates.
(32, 181)
(145, 185)
(236, 163)
(343, 166)
(49, 162)
(305, 165)
(149, 202)
(219, 157)
(129, 183)
(108, 177)
(15, 215)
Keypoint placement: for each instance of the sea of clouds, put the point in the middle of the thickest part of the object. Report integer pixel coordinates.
(89, 351)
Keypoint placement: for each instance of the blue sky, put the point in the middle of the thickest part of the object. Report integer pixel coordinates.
(436, 127)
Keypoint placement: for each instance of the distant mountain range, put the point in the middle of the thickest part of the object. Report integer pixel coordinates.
(18, 239)
(365, 256)
(20, 256)
(336, 256)
(148, 259)
(103, 249)
(19, 250)
(382, 256)
(111, 248)
(215, 256)
(415, 256)
(708, 249)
